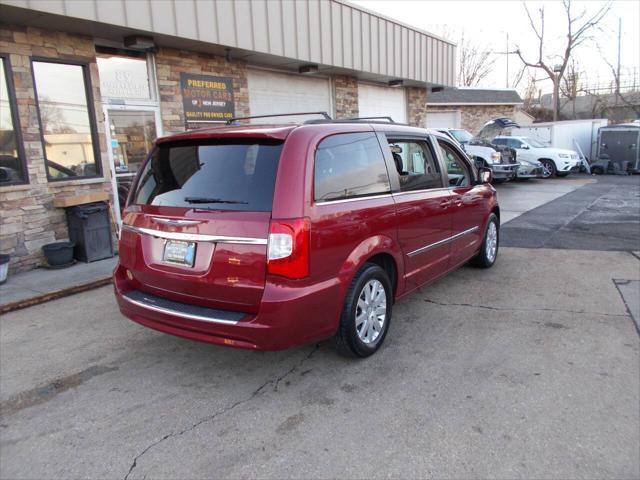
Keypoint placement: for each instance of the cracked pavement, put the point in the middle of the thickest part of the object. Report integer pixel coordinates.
(527, 370)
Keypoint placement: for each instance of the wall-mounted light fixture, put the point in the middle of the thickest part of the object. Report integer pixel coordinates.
(308, 69)
(395, 83)
(436, 89)
(139, 42)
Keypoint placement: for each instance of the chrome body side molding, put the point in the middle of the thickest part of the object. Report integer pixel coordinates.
(431, 246)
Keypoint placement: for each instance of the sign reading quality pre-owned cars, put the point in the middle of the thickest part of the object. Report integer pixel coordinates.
(206, 98)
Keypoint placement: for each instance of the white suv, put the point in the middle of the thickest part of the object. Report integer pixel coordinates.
(502, 164)
(555, 161)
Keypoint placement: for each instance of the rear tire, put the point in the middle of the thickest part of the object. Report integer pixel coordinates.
(366, 314)
(548, 168)
(488, 253)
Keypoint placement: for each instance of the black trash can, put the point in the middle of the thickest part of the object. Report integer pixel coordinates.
(90, 230)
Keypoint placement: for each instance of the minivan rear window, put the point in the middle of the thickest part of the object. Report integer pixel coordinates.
(216, 175)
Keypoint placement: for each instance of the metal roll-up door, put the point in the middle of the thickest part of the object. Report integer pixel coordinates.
(274, 92)
(377, 101)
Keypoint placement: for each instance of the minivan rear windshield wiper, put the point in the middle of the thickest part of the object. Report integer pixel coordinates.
(211, 200)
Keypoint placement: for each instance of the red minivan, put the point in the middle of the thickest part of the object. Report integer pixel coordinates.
(266, 237)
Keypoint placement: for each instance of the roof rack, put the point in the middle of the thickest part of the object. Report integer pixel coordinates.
(233, 120)
(383, 120)
(354, 119)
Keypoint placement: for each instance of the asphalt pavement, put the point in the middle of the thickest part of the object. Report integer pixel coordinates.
(600, 215)
(527, 370)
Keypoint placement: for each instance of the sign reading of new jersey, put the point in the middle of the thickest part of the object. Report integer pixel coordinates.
(206, 98)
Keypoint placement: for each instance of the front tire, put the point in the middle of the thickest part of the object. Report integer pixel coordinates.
(488, 253)
(548, 168)
(366, 314)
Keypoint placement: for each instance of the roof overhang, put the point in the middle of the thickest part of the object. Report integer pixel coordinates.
(476, 104)
(285, 38)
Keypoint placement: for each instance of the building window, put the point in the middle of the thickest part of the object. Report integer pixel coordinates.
(66, 120)
(12, 168)
(123, 75)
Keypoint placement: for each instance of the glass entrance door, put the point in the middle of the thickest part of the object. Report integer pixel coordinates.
(131, 135)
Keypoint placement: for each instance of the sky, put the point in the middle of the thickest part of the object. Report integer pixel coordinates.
(488, 22)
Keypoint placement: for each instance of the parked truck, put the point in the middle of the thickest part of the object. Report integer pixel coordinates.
(578, 135)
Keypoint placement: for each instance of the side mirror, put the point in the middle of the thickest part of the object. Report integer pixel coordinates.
(524, 147)
(485, 175)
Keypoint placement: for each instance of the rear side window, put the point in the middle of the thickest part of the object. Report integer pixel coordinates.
(349, 165)
(229, 175)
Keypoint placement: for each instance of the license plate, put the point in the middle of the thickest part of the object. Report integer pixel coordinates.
(180, 253)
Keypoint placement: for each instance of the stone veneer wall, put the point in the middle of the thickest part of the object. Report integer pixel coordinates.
(28, 219)
(473, 117)
(346, 96)
(171, 62)
(417, 106)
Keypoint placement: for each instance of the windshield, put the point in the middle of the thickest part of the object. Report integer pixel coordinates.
(461, 136)
(229, 175)
(533, 142)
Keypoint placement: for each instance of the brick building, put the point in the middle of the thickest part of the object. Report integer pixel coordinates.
(470, 108)
(85, 87)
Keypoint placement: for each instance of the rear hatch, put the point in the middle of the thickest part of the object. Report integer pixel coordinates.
(490, 131)
(196, 226)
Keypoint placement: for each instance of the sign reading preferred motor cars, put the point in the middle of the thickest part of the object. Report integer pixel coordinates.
(206, 98)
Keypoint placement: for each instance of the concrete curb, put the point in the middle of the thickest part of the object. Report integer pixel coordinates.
(46, 297)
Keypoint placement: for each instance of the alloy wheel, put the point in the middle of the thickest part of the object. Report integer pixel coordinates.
(547, 169)
(491, 244)
(371, 311)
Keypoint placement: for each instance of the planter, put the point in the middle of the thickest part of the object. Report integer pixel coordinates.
(4, 268)
(59, 254)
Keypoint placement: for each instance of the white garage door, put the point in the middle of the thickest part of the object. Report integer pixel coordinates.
(443, 119)
(271, 92)
(374, 101)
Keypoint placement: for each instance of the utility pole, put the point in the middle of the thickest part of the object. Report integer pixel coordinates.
(618, 66)
(507, 56)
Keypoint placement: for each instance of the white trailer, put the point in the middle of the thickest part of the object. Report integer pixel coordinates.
(566, 134)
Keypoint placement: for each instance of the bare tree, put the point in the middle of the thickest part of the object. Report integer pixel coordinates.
(578, 31)
(570, 86)
(619, 96)
(476, 63)
(531, 94)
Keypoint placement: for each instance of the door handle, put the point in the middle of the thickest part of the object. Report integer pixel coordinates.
(457, 202)
(445, 203)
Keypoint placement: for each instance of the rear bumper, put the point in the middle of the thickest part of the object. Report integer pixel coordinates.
(287, 317)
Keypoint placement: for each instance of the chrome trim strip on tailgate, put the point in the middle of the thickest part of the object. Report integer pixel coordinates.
(177, 313)
(194, 237)
(176, 222)
(441, 242)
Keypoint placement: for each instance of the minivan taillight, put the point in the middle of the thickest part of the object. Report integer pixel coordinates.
(288, 248)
